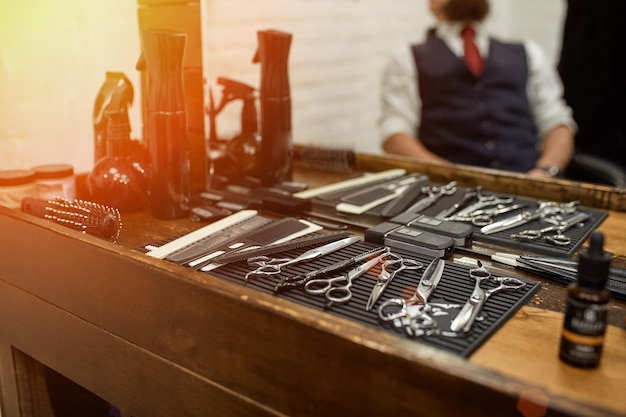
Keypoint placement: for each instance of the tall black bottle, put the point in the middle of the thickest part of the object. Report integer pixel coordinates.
(166, 119)
(276, 147)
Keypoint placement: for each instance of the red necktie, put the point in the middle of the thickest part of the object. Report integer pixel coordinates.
(472, 57)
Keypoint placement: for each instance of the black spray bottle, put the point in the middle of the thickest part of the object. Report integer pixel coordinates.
(588, 304)
(276, 147)
(119, 179)
(170, 176)
(115, 94)
(240, 155)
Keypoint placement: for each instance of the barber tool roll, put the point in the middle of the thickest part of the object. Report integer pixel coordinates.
(93, 219)
(461, 233)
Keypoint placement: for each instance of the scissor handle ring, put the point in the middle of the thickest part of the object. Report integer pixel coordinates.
(401, 302)
(480, 273)
(345, 290)
(559, 240)
(263, 270)
(506, 284)
(408, 264)
(481, 220)
(510, 282)
(319, 286)
(267, 261)
(448, 190)
(404, 264)
(526, 235)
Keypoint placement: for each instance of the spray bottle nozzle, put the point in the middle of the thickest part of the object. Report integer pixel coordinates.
(235, 90)
(116, 94)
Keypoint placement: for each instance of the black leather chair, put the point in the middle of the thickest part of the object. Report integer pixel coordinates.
(591, 168)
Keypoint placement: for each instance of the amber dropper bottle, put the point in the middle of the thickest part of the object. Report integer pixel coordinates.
(588, 303)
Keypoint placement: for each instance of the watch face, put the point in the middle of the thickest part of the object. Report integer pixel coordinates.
(553, 171)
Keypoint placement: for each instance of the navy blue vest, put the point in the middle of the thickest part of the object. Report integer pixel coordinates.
(484, 121)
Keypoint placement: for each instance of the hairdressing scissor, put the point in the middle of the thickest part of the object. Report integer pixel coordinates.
(553, 233)
(488, 200)
(430, 278)
(469, 312)
(337, 289)
(390, 269)
(434, 194)
(271, 266)
(299, 281)
(483, 217)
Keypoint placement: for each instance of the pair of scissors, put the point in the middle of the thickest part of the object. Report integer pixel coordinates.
(545, 210)
(390, 269)
(487, 200)
(469, 312)
(340, 293)
(428, 283)
(483, 217)
(553, 233)
(469, 195)
(267, 266)
(298, 281)
(434, 194)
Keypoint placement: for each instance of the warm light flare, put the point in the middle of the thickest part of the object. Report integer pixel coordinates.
(53, 59)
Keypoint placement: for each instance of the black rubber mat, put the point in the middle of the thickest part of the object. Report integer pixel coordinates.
(324, 206)
(455, 287)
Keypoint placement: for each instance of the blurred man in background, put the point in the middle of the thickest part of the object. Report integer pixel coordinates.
(464, 97)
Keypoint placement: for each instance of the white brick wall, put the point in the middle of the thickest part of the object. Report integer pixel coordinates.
(338, 53)
(53, 55)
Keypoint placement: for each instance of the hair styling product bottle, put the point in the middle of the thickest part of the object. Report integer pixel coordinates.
(588, 303)
(276, 147)
(119, 179)
(170, 189)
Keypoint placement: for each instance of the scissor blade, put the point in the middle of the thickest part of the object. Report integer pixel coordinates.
(298, 281)
(430, 278)
(378, 289)
(508, 223)
(469, 195)
(462, 317)
(363, 268)
(469, 311)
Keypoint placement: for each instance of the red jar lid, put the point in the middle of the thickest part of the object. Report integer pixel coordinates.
(51, 171)
(14, 177)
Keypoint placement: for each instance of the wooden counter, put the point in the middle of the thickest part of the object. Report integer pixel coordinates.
(157, 339)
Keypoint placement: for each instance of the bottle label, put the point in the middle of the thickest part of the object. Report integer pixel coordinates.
(583, 332)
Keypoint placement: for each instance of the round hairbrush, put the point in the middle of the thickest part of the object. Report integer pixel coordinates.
(84, 216)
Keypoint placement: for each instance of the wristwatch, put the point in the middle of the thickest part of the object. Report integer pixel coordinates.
(552, 171)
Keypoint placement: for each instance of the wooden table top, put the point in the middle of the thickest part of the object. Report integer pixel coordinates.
(526, 347)
(518, 363)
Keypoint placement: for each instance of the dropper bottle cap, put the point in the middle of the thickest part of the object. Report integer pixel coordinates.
(593, 265)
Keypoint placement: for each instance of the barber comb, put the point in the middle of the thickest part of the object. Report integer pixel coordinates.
(91, 218)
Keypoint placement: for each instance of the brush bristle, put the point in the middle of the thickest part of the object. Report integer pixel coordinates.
(87, 217)
(326, 158)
